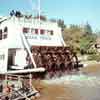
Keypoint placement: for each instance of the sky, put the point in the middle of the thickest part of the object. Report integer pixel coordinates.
(71, 11)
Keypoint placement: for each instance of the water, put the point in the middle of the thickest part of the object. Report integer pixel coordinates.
(83, 87)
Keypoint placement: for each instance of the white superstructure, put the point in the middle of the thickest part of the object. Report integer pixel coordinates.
(13, 45)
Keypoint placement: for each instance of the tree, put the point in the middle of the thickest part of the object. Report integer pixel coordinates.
(53, 20)
(87, 42)
(88, 29)
(61, 24)
(75, 37)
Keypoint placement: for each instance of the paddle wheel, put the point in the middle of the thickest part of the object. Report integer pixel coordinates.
(56, 60)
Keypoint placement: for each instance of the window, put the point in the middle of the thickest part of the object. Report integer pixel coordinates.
(0, 34)
(36, 31)
(5, 29)
(51, 32)
(5, 32)
(4, 36)
(33, 31)
(42, 31)
(25, 30)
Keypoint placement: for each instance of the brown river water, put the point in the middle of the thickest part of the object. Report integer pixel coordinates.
(84, 86)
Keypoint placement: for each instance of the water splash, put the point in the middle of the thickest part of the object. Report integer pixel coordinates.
(70, 78)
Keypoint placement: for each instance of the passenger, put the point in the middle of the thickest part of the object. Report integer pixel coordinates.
(8, 89)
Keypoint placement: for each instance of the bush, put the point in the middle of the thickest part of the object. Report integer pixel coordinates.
(94, 57)
(91, 51)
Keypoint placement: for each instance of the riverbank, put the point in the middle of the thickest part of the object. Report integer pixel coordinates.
(91, 68)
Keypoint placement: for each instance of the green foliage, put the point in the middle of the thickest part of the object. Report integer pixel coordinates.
(79, 38)
(61, 24)
(53, 20)
(91, 51)
(87, 41)
(87, 29)
(94, 57)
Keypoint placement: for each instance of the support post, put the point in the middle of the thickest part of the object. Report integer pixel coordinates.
(28, 49)
(6, 79)
(19, 82)
(30, 82)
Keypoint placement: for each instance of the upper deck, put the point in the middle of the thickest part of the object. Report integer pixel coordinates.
(37, 32)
